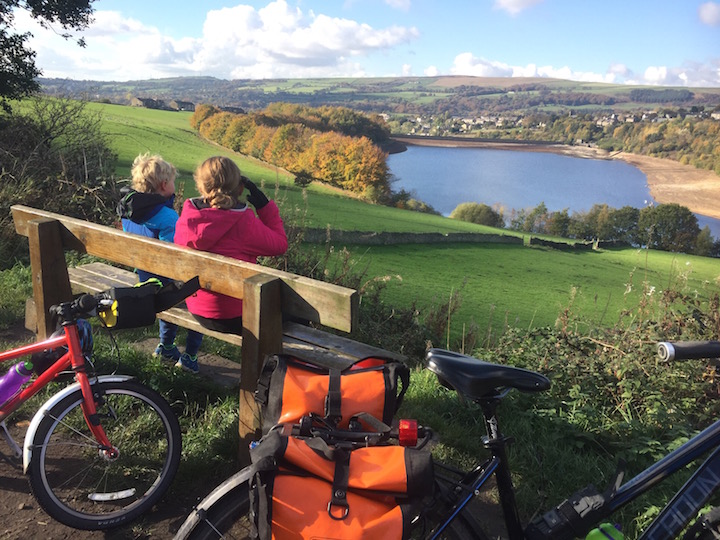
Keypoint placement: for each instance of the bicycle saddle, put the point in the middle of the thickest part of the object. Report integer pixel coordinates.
(478, 379)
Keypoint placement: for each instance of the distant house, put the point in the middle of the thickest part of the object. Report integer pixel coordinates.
(148, 103)
(178, 105)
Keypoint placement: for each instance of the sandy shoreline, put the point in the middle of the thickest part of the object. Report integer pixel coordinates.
(668, 181)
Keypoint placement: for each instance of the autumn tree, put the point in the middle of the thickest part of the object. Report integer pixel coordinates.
(202, 112)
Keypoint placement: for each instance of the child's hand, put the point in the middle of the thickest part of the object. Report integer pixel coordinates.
(256, 197)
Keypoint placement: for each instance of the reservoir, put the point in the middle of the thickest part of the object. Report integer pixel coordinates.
(445, 177)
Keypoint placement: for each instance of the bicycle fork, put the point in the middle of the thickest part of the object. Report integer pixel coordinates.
(91, 417)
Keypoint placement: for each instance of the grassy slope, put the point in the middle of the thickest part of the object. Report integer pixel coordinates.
(520, 286)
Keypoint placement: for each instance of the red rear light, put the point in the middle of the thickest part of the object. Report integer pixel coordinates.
(408, 433)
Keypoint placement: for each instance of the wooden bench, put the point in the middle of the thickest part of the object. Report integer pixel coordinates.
(269, 296)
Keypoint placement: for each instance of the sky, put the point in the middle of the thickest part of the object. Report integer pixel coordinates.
(649, 42)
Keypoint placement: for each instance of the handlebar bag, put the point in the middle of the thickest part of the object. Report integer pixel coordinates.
(303, 488)
(136, 306)
(337, 389)
(132, 307)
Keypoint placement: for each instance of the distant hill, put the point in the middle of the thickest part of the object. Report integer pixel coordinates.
(453, 95)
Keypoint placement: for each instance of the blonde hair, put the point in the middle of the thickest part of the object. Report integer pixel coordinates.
(219, 182)
(149, 171)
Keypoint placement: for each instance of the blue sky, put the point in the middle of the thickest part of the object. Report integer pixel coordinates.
(667, 42)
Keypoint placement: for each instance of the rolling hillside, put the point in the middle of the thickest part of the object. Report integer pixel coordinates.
(499, 284)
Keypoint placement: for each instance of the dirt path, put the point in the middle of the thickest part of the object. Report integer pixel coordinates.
(668, 181)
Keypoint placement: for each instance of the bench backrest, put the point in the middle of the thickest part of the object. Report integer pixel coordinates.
(301, 297)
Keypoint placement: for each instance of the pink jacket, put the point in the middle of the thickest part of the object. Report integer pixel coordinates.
(236, 233)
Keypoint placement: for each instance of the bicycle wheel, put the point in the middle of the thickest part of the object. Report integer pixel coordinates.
(78, 484)
(224, 513)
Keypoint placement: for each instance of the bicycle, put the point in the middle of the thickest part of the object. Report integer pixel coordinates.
(224, 513)
(102, 451)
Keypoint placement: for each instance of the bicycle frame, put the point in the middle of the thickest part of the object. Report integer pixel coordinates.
(674, 517)
(72, 359)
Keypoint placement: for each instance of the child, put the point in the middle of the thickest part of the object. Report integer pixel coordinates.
(218, 222)
(147, 209)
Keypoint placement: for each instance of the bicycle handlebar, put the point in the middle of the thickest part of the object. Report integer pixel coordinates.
(69, 311)
(688, 350)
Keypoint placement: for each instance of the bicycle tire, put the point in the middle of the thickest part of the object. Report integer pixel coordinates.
(224, 513)
(77, 484)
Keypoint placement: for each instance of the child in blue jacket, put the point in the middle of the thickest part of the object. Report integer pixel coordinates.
(147, 209)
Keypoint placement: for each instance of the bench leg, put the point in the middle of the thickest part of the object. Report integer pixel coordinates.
(51, 284)
(262, 335)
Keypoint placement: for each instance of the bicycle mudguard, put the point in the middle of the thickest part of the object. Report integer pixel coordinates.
(54, 399)
(199, 511)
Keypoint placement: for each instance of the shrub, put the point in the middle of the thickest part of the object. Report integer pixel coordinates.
(478, 213)
(53, 156)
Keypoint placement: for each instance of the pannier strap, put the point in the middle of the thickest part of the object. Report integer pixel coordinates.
(340, 485)
(333, 400)
(262, 392)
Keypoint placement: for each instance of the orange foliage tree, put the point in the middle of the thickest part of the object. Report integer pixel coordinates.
(298, 138)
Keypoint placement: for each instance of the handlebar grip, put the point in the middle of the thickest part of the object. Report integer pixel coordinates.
(688, 350)
(69, 310)
(85, 303)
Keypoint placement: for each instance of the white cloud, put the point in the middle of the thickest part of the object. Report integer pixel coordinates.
(513, 7)
(690, 74)
(431, 71)
(468, 64)
(238, 42)
(406, 70)
(709, 13)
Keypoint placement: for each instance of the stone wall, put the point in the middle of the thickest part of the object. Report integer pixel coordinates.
(320, 236)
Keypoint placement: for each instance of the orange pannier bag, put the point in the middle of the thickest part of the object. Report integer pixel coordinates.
(305, 489)
(338, 390)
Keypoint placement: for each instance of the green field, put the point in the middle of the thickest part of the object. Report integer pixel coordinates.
(499, 284)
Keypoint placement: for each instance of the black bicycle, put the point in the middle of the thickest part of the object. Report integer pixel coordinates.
(224, 512)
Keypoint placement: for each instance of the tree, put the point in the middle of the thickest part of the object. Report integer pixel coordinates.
(17, 62)
(704, 242)
(669, 227)
(480, 214)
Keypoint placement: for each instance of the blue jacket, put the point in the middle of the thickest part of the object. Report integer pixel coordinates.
(147, 214)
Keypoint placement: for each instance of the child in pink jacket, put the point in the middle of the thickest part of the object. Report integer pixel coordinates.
(219, 223)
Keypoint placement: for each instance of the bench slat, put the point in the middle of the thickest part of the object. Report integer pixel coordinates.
(298, 339)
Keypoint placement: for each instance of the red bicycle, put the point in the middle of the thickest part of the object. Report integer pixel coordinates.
(101, 451)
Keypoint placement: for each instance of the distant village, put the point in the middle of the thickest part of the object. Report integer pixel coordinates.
(437, 125)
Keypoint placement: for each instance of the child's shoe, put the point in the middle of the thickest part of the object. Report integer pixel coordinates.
(188, 363)
(167, 353)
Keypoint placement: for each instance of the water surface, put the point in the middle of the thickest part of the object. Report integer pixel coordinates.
(445, 177)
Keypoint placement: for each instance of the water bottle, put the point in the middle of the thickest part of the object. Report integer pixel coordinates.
(605, 531)
(13, 380)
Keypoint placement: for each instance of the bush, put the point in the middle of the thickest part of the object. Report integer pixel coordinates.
(53, 156)
(480, 214)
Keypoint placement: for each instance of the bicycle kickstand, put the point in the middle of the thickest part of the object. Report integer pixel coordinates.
(11, 443)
